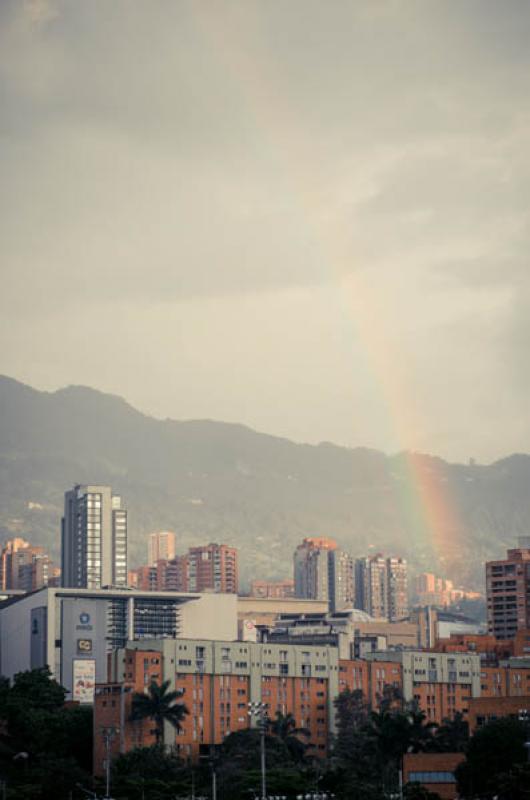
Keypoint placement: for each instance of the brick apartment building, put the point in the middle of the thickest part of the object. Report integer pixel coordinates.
(508, 592)
(219, 679)
(441, 683)
(213, 567)
(208, 568)
(113, 708)
(486, 709)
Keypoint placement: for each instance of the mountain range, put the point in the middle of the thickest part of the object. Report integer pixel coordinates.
(213, 481)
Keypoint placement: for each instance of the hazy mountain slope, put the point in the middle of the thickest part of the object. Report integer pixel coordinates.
(214, 481)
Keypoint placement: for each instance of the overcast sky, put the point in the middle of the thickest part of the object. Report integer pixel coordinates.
(308, 217)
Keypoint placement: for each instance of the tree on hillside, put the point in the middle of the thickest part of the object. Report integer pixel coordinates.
(161, 706)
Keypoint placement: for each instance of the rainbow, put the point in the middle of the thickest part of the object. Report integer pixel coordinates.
(425, 496)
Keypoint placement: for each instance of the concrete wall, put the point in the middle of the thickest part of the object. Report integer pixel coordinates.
(212, 616)
(19, 639)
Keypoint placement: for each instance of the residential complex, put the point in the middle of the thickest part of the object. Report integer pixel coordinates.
(207, 568)
(508, 592)
(218, 679)
(94, 538)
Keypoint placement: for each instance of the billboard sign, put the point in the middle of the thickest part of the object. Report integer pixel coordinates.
(84, 680)
(250, 633)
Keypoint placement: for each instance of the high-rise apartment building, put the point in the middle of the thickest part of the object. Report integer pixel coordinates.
(161, 545)
(341, 580)
(398, 594)
(508, 592)
(381, 587)
(23, 566)
(322, 572)
(371, 586)
(94, 538)
(213, 568)
(175, 574)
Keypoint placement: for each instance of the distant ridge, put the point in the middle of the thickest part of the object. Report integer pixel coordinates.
(219, 481)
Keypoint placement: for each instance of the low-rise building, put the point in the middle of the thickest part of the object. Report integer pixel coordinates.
(354, 632)
(434, 771)
(264, 611)
(486, 709)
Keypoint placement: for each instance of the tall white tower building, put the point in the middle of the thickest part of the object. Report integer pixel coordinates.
(93, 538)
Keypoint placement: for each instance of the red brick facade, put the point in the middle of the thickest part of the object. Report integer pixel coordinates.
(434, 771)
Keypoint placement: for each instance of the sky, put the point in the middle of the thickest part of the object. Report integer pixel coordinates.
(308, 217)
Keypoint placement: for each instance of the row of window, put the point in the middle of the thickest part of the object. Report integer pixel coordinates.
(431, 777)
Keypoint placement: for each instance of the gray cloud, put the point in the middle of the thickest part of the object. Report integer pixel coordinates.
(287, 200)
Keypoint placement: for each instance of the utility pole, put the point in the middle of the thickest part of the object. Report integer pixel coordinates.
(259, 711)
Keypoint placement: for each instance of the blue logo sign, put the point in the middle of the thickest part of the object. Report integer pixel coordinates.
(84, 618)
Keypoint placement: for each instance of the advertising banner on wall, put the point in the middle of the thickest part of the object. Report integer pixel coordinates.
(84, 680)
(249, 630)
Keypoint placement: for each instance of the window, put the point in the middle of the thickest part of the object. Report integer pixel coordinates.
(431, 777)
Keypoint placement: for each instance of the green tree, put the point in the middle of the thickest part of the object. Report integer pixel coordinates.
(46, 746)
(284, 727)
(355, 773)
(452, 736)
(161, 706)
(495, 750)
(415, 791)
(149, 772)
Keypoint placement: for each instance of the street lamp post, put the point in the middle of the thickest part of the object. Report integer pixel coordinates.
(259, 711)
(524, 716)
(108, 736)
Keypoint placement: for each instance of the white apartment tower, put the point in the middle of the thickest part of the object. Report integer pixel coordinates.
(93, 539)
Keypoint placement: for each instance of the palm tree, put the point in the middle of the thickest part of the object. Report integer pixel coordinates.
(285, 728)
(159, 705)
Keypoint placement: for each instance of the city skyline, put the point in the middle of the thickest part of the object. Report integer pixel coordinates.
(264, 325)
